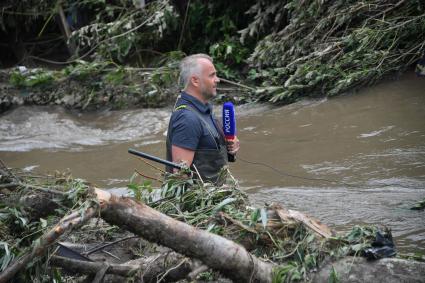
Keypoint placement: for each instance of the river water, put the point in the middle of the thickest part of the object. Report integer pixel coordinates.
(353, 159)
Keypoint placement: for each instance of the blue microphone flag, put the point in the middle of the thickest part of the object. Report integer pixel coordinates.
(229, 120)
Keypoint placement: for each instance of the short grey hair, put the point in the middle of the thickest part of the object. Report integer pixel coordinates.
(189, 66)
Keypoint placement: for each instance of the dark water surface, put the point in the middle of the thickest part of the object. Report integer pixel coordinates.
(361, 157)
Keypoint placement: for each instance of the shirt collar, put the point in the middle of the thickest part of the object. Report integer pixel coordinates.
(201, 107)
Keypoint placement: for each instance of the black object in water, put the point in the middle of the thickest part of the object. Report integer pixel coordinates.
(383, 246)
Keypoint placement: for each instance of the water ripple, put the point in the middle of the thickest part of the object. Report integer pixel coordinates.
(28, 128)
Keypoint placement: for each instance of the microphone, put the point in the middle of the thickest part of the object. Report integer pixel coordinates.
(229, 126)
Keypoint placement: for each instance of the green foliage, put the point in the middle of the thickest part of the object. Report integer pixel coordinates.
(269, 17)
(35, 77)
(105, 83)
(23, 14)
(210, 23)
(312, 48)
(225, 210)
(116, 77)
(287, 273)
(229, 56)
(330, 47)
(6, 256)
(138, 189)
(83, 70)
(20, 232)
(206, 276)
(117, 31)
(221, 209)
(333, 276)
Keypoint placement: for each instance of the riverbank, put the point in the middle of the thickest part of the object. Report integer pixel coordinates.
(81, 87)
(308, 50)
(94, 86)
(97, 86)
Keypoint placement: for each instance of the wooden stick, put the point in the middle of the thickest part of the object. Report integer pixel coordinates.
(148, 177)
(237, 84)
(238, 223)
(151, 165)
(66, 30)
(86, 267)
(147, 269)
(95, 249)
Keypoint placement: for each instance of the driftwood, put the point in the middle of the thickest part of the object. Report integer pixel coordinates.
(168, 267)
(288, 216)
(165, 264)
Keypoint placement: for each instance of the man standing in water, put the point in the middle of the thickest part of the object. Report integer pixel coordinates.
(194, 136)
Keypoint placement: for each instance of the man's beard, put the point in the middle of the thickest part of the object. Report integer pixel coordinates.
(206, 94)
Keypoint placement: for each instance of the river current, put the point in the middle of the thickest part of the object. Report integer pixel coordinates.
(354, 159)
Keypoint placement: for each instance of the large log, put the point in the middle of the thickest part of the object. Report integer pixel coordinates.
(214, 251)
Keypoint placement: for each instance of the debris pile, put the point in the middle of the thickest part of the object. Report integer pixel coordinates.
(190, 229)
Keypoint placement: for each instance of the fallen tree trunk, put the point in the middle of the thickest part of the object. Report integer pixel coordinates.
(214, 251)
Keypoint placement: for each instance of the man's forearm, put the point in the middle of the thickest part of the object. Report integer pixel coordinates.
(180, 155)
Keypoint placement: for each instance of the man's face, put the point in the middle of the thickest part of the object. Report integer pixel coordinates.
(208, 79)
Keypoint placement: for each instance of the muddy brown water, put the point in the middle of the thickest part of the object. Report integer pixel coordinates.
(353, 159)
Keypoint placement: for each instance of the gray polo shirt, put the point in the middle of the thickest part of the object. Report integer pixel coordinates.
(186, 128)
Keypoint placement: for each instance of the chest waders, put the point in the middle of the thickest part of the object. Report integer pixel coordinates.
(208, 161)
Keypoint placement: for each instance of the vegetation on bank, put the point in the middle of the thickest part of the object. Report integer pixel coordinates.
(329, 47)
(92, 85)
(287, 49)
(224, 210)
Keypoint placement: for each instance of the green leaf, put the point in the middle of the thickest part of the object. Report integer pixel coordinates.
(310, 238)
(264, 217)
(223, 203)
(358, 247)
(210, 227)
(333, 276)
(43, 223)
(255, 215)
